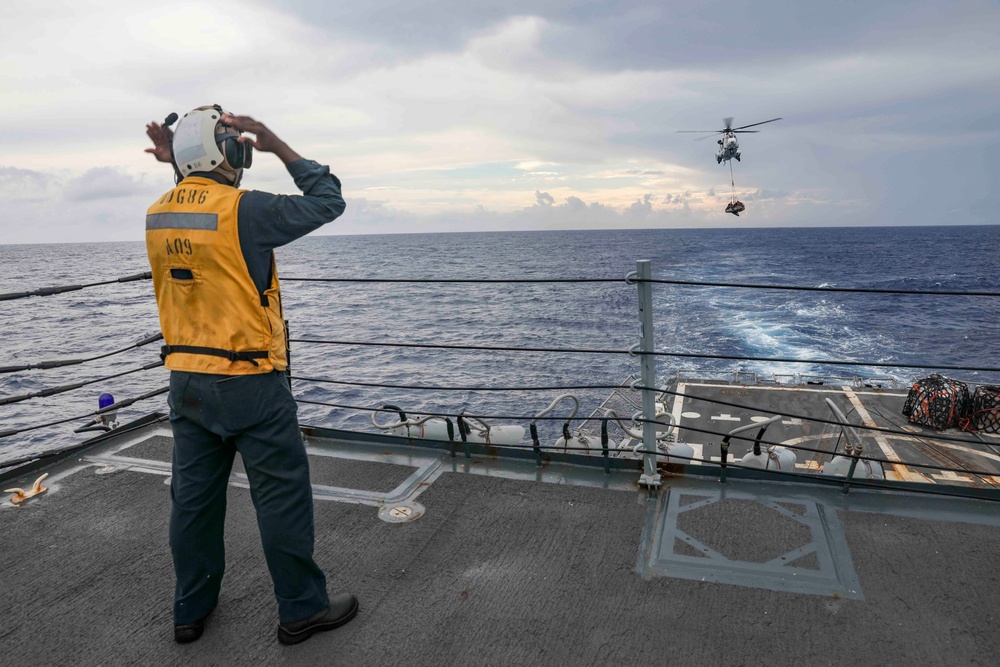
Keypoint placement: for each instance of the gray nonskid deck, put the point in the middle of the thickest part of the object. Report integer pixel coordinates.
(509, 564)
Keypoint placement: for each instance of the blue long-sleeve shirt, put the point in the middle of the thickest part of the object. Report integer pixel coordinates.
(267, 221)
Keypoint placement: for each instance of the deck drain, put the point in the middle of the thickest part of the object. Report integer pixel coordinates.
(401, 513)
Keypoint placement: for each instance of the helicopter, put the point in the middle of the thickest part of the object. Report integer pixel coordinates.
(729, 147)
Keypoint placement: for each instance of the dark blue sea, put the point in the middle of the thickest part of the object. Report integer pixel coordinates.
(925, 330)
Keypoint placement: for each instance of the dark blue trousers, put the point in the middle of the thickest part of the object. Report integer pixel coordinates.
(213, 417)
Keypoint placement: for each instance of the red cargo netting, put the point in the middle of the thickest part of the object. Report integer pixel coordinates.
(985, 413)
(937, 402)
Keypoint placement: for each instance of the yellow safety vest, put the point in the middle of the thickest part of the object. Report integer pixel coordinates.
(212, 316)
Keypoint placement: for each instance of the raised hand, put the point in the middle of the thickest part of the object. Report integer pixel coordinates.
(160, 136)
(266, 141)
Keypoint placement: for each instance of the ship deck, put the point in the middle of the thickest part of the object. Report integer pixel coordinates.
(487, 559)
(910, 453)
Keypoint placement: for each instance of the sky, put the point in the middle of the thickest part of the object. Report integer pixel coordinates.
(514, 115)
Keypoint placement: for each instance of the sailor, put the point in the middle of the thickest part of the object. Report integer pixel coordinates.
(210, 247)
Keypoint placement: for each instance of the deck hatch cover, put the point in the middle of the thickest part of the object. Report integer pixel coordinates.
(732, 537)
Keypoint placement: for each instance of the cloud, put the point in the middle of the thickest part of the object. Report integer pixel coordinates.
(101, 204)
(104, 183)
(24, 185)
(437, 109)
(544, 199)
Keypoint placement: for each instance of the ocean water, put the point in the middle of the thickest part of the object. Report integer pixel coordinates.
(927, 330)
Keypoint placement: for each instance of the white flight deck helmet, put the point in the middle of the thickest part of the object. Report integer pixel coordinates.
(202, 142)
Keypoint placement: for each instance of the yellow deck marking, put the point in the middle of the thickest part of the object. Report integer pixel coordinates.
(899, 471)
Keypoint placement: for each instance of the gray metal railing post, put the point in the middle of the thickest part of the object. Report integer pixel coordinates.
(650, 475)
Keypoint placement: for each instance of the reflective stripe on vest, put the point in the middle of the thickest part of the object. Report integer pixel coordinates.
(212, 316)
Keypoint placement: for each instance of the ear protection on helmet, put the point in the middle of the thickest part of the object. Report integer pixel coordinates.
(238, 154)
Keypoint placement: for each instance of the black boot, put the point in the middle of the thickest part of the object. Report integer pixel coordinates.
(342, 609)
(188, 632)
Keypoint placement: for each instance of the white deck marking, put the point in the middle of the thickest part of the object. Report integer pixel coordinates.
(678, 404)
(784, 388)
(724, 417)
(968, 450)
(758, 419)
(691, 415)
(794, 421)
(899, 471)
(951, 476)
(699, 453)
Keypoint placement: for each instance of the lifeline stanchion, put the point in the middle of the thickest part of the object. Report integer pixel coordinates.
(451, 435)
(853, 452)
(643, 272)
(465, 437)
(604, 446)
(535, 444)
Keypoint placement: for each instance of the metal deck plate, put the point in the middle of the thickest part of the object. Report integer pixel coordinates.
(732, 537)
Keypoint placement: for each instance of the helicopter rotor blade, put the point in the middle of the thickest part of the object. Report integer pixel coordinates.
(701, 131)
(745, 131)
(755, 124)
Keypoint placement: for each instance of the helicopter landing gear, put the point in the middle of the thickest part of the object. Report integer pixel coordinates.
(718, 159)
(737, 156)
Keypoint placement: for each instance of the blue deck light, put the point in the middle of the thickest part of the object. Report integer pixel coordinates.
(105, 400)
